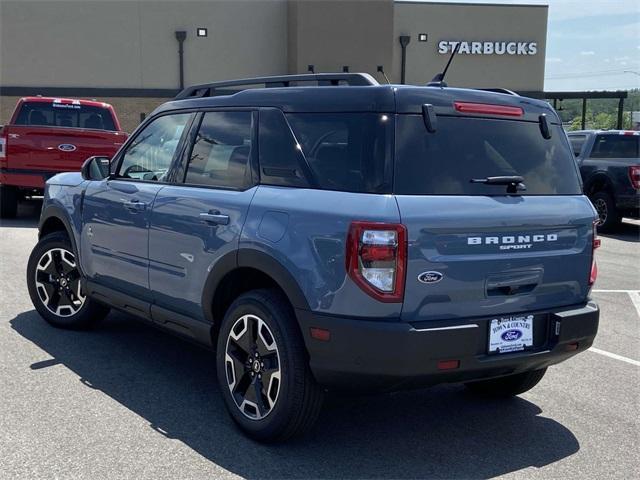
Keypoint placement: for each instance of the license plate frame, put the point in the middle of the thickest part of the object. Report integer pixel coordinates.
(510, 334)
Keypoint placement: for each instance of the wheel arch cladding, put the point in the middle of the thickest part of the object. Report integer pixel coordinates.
(54, 219)
(241, 271)
(599, 182)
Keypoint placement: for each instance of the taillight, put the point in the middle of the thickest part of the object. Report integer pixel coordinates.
(595, 244)
(634, 176)
(468, 107)
(376, 259)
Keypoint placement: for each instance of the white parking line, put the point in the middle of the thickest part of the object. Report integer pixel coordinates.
(635, 299)
(615, 356)
(634, 295)
(615, 291)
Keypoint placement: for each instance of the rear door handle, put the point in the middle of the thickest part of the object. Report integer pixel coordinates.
(214, 218)
(134, 205)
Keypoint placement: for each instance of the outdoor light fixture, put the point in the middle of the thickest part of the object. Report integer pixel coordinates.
(422, 37)
(202, 32)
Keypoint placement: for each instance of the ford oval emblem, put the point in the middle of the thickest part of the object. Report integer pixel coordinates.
(511, 335)
(430, 277)
(66, 147)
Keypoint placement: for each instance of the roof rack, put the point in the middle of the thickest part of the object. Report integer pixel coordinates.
(321, 79)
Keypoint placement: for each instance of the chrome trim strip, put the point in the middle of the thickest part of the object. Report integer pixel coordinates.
(455, 327)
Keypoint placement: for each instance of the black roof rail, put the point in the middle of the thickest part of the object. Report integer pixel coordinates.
(498, 90)
(321, 79)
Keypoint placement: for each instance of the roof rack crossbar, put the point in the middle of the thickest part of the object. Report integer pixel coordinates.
(322, 79)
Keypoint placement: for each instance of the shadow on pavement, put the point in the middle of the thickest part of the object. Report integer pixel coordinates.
(627, 231)
(27, 216)
(443, 432)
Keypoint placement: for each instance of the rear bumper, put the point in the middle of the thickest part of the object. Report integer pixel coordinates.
(25, 178)
(629, 205)
(381, 355)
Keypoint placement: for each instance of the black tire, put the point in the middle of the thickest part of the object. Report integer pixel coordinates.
(610, 218)
(508, 386)
(60, 280)
(297, 401)
(8, 201)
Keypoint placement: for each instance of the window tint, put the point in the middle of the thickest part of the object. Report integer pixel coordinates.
(346, 151)
(71, 115)
(221, 151)
(577, 141)
(281, 159)
(615, 146)
(444, 162)
(150, 154)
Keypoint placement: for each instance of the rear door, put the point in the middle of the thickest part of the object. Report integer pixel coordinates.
(197, 221)
(475, 250)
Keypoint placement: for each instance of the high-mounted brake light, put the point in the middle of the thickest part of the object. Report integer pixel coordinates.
(596, 242)
(376, 259)
(486, 108)
(634, 176)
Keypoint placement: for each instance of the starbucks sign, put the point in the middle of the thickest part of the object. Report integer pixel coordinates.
(488, 48)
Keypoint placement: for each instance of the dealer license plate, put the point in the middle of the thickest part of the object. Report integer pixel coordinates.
(510, 334)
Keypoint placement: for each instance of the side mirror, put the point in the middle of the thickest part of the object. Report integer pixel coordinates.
(95, 168)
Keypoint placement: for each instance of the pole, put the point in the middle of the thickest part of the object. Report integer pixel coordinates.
(584, 113)
(620, 110)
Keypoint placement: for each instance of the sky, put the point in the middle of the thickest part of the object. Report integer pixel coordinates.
(591, 44)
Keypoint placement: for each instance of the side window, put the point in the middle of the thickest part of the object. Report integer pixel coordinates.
(577, 141)
(281, 160)
(221, 151)
(149, 156)
(350, 152)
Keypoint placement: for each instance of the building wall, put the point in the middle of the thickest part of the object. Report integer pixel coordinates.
(330, 34)
(131, 44)
(115, 44)
(440, 21)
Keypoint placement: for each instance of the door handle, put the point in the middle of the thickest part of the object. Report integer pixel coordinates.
(134, 205)
(214, 218)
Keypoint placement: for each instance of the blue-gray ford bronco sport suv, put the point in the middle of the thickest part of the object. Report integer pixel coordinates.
(327, 232)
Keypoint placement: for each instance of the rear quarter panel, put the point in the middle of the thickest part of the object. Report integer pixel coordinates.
(305, 231)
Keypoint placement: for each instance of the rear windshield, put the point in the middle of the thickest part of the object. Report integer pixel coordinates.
(444, 162)
(349, 152)
(65, 115)
(615, 146)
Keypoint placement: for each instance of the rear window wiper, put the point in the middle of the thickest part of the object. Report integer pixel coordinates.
(514, 183)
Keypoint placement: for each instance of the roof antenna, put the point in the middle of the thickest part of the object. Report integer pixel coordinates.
(381, 70)
(438, 80)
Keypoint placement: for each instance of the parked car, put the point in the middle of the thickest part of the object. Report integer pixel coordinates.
(609, 162)
(46, 136)
(340, 236)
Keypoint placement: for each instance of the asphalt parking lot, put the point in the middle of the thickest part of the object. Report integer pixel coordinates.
(128, 401)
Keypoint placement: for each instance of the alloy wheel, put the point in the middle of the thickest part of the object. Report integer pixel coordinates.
(252, 365)
(601, 207)
(58, 284)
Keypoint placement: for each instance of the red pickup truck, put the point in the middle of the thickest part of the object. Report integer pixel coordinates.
(46, 136)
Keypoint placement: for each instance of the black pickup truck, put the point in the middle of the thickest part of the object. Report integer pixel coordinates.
(609, 162)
